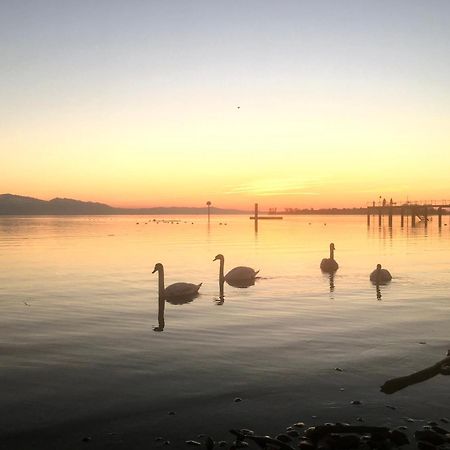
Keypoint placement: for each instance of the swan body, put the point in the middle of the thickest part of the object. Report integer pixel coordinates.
(380, 275)
(329, 264)
(175, 290)
(237, 275)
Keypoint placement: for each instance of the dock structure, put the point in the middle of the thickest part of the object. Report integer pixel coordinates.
(417, 211)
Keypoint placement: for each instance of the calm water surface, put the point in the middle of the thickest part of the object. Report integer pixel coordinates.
(79, 303)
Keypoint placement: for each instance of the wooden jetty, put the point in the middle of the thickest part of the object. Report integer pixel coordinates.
(417, 211)
(256, 217)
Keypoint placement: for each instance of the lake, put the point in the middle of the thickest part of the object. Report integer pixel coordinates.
(79, 304)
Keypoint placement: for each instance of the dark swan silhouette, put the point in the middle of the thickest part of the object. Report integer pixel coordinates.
(240, 276)
(176, 292)
(329, 264)
(380, 275)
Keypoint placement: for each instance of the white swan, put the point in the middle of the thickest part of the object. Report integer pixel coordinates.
(239, 276)
(175, 290)
(380, 275)
(329, 264)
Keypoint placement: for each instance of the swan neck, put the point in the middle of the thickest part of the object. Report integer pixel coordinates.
(161, 283)
(331, 253)
(221, 268)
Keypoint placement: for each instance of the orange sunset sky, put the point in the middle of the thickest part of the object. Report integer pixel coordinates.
(288, 103)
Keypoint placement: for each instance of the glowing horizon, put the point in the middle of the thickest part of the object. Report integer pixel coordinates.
(169, 104)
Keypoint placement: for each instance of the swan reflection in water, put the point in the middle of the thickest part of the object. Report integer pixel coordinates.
(241, 284)
(180, 300)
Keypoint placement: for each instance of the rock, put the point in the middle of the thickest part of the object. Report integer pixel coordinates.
(166, 443)
(402, 427)
(241, 444)
(237, 400)
(338, 369)
(171, 413)
(87, 439)
(222, 443)
(445, 420)
(359, 419)
(159, 438)
(399, 438)
(299, 425)
(293, 433)
(193, 443)
(356, 402)
(391, 407)
(429, 436)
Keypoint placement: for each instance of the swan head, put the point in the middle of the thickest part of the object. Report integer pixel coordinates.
(158, 267)
(218, 257)
(332, 247)
(378, 266)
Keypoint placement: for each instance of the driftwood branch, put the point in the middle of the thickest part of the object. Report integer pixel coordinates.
(396, 384)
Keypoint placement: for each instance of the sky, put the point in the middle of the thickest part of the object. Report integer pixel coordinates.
(289, 103)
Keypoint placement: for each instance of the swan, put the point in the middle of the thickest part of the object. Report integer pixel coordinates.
(329, 264)
(380, 275)
(239, 276)
(176, 290)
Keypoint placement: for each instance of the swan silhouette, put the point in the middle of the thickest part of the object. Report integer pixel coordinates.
(380, 275)
(329, 264)
(177, 293)
(240, 276)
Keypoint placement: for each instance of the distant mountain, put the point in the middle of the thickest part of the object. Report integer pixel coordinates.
(18, 205)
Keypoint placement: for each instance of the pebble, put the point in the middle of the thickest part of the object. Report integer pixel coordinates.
(299, 425)
(425, 446)
(439, 429)
(237, 400)
(166, 443)
(293, 433)
(391, 407)
(306, 445)
(209, 443)
(223, 443)
(359, 419)
(338, 369)
(283, 438)
(247, 432)
(356, 402)
(402, 427)
(87, 439)
(193, 443)
(342, 389)
(171, 413)
(445, 420)
(159, 438)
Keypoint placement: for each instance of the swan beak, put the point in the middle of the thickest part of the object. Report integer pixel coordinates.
(215, 259)
(154, 270)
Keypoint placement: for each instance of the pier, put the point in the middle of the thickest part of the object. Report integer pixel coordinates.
(416, 211)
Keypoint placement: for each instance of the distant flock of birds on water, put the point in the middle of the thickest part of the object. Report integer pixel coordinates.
(243, 276)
